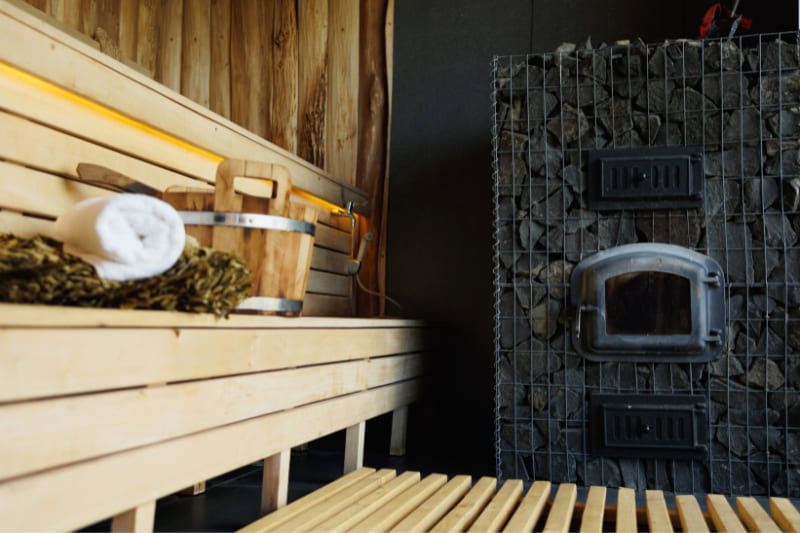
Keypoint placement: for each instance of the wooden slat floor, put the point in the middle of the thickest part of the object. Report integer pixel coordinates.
(370, 500)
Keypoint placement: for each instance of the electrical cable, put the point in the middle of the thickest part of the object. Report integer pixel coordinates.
(373, 293)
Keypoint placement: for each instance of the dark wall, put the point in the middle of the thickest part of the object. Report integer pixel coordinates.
(440, 190)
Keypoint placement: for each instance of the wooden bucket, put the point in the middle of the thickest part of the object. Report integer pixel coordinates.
(272, 235)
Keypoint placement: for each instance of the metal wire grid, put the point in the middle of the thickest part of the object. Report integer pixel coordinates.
(541, 383)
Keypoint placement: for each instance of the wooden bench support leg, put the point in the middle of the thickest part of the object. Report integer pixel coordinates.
(194, 490)
(139, 519)
(275, 483)
(399, 424)
(354, 447)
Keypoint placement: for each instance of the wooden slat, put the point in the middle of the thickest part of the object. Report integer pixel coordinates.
(382, 234)
(307, 502)
(38, 363)
(467, 510)
(530, 509)
(390, 514)
(180, 461)
(147, 35)
(170, 25)
(283, 101)
(196, 51)
(354, 447)
(626, 510)
(592, 519)
(358, 511)
(312, 26)
(785, 514)
(333, 239)
(54, 316)
(342, 124)
(220, 87)
(88, 17)
(500, 508)
(128, 22)
(330, 507)
(122, 416)
(690, 514)
(722, 515)
(434, 508)
(754, 517)
(327, 283)
(275, 481)
(108, 19)
(140, 519)
(32, 145)
(57, 57)
(560, 515)
(249, 99)
(329, 260)
(657, 515)
(325, 305)
(24, 226)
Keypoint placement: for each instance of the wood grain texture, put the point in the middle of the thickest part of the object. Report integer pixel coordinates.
(354, 447)
(284, 78)
(249, 95)
(722, 515)
(435, 507)
(168, 68)
(390, 514)
(467, 509)
(108, 18)
(128, 25)
(275, 481)
(397, 438)
(147, 34)
(690, 514)
(140, 519)
(592, 519)
(500, 508)
(341, 136)
(530, 508)
(754, 516)
(785, 514)
(626, 510)
(658, 519)
(220, 86)
(88, 17)
(312, 28)
(196, 51)
(560, 516)
(382, 236)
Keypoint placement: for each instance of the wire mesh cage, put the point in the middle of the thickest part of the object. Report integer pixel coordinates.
(739, 100)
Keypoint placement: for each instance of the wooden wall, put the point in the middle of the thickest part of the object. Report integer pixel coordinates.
(312, 76)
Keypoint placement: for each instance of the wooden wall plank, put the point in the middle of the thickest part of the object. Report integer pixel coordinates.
(325, 305)
(147, 33)
(196, 51)
(312, 25)
(180, 461)
(108, 18)
(88, 17)
(382, 238)
(329, 261)
(249, 65)
(170, 24)
(341, 135)
(327, 283)
(128, 25)
(220, 89)
(283, 81)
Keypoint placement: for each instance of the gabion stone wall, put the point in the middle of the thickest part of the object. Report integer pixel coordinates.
(738, 99)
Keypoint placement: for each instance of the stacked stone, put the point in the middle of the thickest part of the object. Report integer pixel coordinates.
(740, 101)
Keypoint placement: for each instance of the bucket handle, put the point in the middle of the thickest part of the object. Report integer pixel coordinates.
(230, 169)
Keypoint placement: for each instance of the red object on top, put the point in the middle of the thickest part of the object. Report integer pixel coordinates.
(711, 14)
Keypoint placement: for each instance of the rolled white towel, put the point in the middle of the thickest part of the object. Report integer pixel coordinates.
(124, 236)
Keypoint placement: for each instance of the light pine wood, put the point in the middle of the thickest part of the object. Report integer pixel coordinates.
(327, 283)
(170, 23)
(195, 489)
(284, 76)
(307, 502)
(722, 515)
(147, 35)
(460, 517)
(249, 96)
(329, 261)
(128, 25)
(530, 509)
(325, 305)
(275, 481)
(354, 447)
(25, 226)
(592, 519)
(495, 515)
(88, 17)
(390, 514)
(137, 480)
(341, 136)
(435, 507)
(754, 517)
(118, 87)
(657, 515)
(312, 28)
(334, 239)
(397, 440)
(560, 515)
(330, 507)
(108, 18)
(195, 77)
(140, 519)
(690, 514)
(785, 514)
(33, 427)
(220, 86)
(358, 511)
(626, 510)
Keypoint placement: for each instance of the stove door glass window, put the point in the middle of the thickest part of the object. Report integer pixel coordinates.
(648, 303)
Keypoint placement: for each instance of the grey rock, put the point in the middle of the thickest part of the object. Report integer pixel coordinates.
(794, 330)
(674, 227)
(541, 104)
(551, 210)
(734, 440)
(513, 324)
(567, 126)
(654, 99)
(791, 196)
(505, 237)
(522, 436)
(726, 366)
(584, 94)
(715, 202)
(765, 374)
(599, 471)
(773, 54)
(784, 124)
(729, 245)
(505, 208)
(529, 233)
(648, 126)
(775, 91)
(742, 124)
(531, 295)
(633, 473)
(774, 229)
(512, 172)
(734, 160)
(726, 90)
(685, 101)
(546, 162)
(557, 276)
(544, 319)
(722, 55)
(787, 164)
(573, 176)
(616, 230)
(513, 141)
(755, 190)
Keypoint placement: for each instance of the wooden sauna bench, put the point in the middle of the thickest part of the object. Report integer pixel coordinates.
(369, 500)
(104, 411)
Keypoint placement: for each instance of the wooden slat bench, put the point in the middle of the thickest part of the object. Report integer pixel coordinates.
(369, 500)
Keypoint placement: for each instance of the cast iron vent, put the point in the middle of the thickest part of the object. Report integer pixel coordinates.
(648, 425)
(651, 178)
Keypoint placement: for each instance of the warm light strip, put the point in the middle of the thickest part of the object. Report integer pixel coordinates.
(333, 208)
(47, 87)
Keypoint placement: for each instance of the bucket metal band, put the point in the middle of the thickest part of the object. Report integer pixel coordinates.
(246, 220)
(267, 303)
